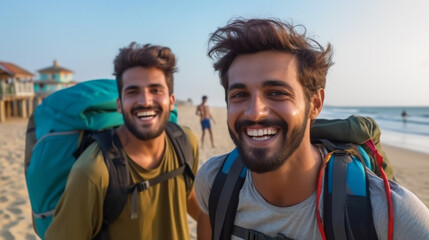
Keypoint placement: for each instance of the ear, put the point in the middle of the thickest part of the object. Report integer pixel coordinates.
(317, 103)
(118, 105)
(172, 101)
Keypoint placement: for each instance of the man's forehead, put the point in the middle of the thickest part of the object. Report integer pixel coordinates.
(271, 56)
(263, 67)
(140, 76)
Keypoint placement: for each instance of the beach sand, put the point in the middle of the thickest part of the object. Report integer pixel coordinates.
(15, 210)
(411, 169)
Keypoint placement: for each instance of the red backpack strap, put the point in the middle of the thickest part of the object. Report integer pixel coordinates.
(319, 192)
(371, 145)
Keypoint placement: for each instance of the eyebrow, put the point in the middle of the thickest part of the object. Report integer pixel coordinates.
(268, 83)
(153, 85)
(130, 87)
(276, 83)
(236, 86)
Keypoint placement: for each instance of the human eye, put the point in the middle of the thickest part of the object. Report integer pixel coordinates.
(130, 91)
(156, 90)
(278, 94)
(237, 95)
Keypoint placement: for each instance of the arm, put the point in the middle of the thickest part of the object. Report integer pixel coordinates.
(192, 205)
(79, 212)
(411, 216)
(198, 112)
(204, 229)
(76, 213)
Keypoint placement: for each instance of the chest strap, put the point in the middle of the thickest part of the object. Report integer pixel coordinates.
(146, 184)
(249, 234)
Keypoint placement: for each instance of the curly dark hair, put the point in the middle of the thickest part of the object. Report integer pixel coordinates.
(146, 56)
(243, 36)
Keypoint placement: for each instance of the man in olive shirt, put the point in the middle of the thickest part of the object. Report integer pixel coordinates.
(144, 75)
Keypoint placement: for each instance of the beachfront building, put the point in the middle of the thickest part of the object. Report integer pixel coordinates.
(16, 91)
(53, 78)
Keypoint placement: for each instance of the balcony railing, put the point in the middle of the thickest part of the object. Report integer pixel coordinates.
(17, 88)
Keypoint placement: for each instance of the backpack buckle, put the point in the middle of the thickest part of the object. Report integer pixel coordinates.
(255, 235)
(281, 236)
(143, 185)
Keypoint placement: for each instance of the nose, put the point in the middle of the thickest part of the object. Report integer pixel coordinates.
(145, 98)
(256, 109)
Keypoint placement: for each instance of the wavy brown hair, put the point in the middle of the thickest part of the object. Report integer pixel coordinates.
(243, 36)
(145, 56)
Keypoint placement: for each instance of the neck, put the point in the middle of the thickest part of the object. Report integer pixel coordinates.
(146, 153)
(294, 181)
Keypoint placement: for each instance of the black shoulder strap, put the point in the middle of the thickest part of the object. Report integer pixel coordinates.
(346, 215)
(117, 191)
(183, 150)
(224, 196)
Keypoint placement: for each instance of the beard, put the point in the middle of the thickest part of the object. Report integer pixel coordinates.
(261, 160)
(145, 135)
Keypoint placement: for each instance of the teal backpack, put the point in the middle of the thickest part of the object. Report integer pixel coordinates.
(62, 127)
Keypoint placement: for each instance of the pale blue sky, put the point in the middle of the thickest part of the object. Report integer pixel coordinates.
(381, 48)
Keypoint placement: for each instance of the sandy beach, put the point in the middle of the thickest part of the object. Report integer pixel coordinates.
(411, 169)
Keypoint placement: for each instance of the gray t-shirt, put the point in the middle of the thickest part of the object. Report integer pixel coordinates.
(411, 216)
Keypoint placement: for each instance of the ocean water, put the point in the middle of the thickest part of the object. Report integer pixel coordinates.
(411, 132)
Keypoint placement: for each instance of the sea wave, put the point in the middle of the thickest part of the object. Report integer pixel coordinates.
(411, 132)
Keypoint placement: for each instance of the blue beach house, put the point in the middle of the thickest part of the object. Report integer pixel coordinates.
(53, 78)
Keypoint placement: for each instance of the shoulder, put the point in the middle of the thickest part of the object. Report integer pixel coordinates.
(204, 180)
(193, 142)
(91, 165)
(411, 216)
(211, 167)
(192, 137)
(208, 171)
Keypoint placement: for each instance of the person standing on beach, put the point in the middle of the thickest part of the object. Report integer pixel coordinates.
(404, 116)
(144, 76)
(205, 116)
(274, 79)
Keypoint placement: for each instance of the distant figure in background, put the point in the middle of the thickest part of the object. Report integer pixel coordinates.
(404, 116)
(205, 116)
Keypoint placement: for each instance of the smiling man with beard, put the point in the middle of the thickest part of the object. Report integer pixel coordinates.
(274, 79)
(144, 75)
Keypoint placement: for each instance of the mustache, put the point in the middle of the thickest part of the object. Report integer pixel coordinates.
(266, 123)
(141, 108)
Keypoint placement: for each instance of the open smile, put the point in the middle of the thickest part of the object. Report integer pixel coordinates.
(146, 114)
(261, 134)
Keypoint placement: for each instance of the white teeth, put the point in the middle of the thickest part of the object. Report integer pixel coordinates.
(146, 114)
(260, 138)
(261, 132)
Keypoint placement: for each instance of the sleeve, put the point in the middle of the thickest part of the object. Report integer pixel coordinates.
(411, 216)
(193, 141)
(204, 181)
(79, 213)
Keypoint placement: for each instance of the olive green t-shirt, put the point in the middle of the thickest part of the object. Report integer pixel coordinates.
(162, 212)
